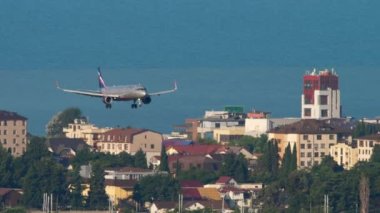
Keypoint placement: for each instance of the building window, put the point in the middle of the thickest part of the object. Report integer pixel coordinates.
(5, 141)
(323, 99)
(5, 132)
(370, 143)
(309, 146)
(302, 146)
(331, 137)
(316, 154)
(302, 154)
(5, 123)
(322, 154)
(319, 137)
(361, 143)
(309, 154)
(305, 137)
(152, 146)
(14, 132)
(324, 113)
(302, 163)
(307, 112)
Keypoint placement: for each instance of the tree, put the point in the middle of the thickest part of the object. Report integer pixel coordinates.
(286, 161)
(6, 168)
(376, 154)
(76, 198)
(97, 197)
(140, 159)
(44, 176)
(60, 120)
(364, 194)
(235, 166)
(204, 176)
(156, 187)
(293, 160)
(164, 164)
(251, 144)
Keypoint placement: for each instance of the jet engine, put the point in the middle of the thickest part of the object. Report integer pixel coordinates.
(107, 100)
(146, 100)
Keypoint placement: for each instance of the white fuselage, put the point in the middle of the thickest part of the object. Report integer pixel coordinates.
(130, 92)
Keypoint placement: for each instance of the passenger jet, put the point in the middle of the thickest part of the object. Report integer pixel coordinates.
(136, 93)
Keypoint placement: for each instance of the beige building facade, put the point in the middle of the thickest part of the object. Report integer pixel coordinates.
(130, 140)
(13, 133)
(228, 134)
(312, 138)
(345, 155)
(81, 128)
(365, 146)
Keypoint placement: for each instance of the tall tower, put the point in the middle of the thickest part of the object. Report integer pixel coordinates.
(321, 95)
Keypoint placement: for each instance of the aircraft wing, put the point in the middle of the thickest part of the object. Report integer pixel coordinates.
(165, 91)
(91, 93)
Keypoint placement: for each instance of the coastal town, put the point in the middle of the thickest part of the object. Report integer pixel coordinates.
(227, 160)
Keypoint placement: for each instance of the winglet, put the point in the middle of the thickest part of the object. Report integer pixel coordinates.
(175, 85)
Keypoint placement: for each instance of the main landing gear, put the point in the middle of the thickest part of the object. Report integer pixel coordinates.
(136, 103)
(108, 106)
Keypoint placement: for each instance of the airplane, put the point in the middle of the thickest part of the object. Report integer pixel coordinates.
(136, 93)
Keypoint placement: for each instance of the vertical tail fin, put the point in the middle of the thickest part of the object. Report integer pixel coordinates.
(102, 84)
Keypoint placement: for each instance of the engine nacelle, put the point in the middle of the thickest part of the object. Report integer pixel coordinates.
(146, 100)
(107, 100)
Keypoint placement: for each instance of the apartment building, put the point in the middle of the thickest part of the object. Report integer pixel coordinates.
(312, 138)
(345, 155)
(13, 132)
(130, 140)
(365, 146)
(82, 129)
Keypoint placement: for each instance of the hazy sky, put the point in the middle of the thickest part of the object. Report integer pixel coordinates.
(188, 33)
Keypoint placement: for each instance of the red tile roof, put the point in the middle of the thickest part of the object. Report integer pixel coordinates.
(4, 191)
(191, 194)
(223, 179)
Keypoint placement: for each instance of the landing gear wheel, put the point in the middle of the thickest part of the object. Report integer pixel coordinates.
(108, 106)
(134, 106)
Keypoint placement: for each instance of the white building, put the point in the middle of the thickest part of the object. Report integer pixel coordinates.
(321, 95)
(256, 127)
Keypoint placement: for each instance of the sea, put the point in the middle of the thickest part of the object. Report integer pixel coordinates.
(249, 53)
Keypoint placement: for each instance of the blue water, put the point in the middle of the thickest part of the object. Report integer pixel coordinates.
(251, 53)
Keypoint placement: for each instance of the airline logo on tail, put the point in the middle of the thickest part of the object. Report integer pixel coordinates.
(102, 84)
